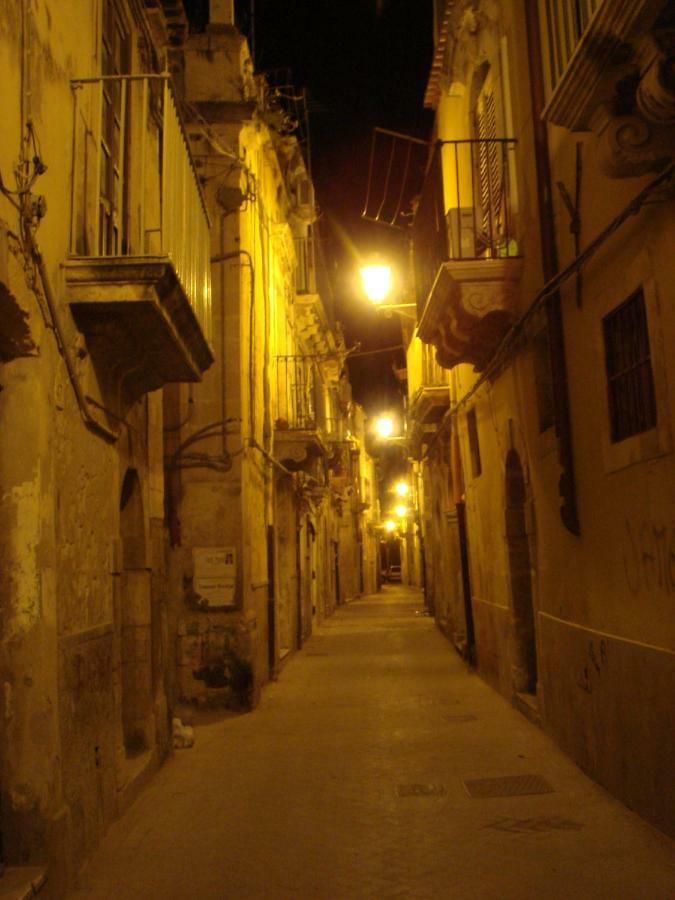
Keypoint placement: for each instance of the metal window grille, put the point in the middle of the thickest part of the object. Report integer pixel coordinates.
(630, 382)
(566, 21)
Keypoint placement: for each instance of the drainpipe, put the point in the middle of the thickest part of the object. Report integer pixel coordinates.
(567, 483)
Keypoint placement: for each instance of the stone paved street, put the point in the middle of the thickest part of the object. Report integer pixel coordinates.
(347, 782)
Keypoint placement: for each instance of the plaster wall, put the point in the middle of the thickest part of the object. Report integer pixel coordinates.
(603, 600)
(62, 755)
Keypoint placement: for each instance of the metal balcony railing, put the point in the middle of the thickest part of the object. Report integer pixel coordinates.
(134, 187)
(466, 209)
(297, 391)
(423, 370)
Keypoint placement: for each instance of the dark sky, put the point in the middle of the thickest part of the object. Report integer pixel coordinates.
(364, 63)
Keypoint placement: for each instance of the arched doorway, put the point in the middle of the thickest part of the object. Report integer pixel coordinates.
(134, 617)
(524, 664)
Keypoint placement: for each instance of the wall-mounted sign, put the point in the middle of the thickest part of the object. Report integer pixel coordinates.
(215, 575)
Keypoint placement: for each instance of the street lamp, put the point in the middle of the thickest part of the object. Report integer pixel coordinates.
(384, 426)
(401, 511)
(402, 489)
(390, 525)
(378, 282)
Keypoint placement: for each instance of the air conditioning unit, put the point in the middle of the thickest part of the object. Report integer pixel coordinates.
(462, 232)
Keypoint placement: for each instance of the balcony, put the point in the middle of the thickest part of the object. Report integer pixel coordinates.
(428, 394)
(138, 271)
(312, 322)
(466, 255)
(299, 426)
(610, 65)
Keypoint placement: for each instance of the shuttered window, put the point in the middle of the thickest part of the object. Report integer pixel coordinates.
(114, 61)
(489, 164)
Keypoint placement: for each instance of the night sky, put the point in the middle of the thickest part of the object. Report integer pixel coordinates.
(364, 63)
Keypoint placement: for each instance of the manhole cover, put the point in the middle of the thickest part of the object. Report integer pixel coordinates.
(466, 718)
(508, 786)
(420, 790)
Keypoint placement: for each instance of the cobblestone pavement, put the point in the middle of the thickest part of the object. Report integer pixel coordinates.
(347, 782)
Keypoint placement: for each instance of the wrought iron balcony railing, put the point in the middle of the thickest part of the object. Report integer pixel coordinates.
(466, 210)
(297, 394)
(135, 193)
(422, 369)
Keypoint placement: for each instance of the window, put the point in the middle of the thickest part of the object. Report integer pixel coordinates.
(630, 381)
(566, 21)
(114, 62)
(474, 447)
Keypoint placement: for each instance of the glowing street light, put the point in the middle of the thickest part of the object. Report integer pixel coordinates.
(384, 426)
(401, 511)
(402, 489)
(377, 282)
(390, 525)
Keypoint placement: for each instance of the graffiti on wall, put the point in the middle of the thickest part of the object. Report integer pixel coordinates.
(597, 660)
(649, 557)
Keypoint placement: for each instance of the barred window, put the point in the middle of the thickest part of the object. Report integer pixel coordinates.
(630, 381)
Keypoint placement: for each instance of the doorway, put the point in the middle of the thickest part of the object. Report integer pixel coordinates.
(524, 664)
(134, 620)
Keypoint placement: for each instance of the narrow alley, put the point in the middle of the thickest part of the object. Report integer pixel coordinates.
(353, 777)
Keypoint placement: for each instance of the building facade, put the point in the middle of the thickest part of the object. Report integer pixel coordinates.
(545, 286)
(172, 400)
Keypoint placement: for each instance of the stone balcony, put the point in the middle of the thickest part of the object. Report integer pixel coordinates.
(619, 83)
(138, 275)
(471, 306)
(297, 448)
(466, 250)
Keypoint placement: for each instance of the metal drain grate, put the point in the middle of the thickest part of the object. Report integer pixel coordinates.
(420, 790)
(507, 786)
(538, 825)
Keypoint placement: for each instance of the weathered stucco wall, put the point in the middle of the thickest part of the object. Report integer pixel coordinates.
(601, 603)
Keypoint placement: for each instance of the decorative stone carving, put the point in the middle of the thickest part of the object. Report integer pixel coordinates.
(620, 83)
(629, 146)
(655, 93)
(298, 450)
(471, 307)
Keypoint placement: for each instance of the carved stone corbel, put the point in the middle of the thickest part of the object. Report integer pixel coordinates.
(629, 146)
